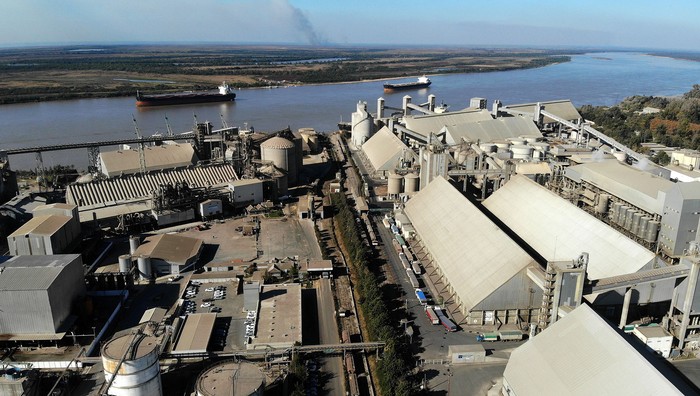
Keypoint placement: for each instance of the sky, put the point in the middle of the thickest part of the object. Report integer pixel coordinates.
(545, 23)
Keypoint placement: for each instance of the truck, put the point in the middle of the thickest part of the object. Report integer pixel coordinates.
(385, 221)
(421, 296)
(446, 322)
(432, 316)
(404, 261)
(416, 267)
(491, 336)
(412, 278)
(400, 240)
(395, 229)
(504, 335)
(396, 245)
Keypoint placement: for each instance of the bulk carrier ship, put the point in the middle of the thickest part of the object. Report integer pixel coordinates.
(423, 82)
(224, 94)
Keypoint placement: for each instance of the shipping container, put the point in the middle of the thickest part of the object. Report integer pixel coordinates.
(510, 335)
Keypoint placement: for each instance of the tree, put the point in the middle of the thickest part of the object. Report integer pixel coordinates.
(661, 158)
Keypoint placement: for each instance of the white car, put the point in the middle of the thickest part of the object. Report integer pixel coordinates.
(206, 305)
(209, 289)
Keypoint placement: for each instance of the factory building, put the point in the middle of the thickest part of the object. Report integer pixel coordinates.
(424, 125)
(170, 253)
(583, 355)
(46, 233)
(384, 152)
(38, 295)
(483, 268)
(493, 130)
(279, 314)
(166, 156)
(246, 192)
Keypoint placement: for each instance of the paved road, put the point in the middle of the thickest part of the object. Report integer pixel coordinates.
(328, 334)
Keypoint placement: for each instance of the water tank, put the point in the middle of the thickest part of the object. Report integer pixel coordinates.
(623, 215)
(394, 186)
(602, 206)
(411, 183)
(144, 266)
(652, 231)
(615, 212)
(636, 218)
(134, 242)
(361, 126)
(124, 263)
(628, 220)
(139, 374)
(282, 153)
(231, 378)
(521, 151)
(643, 226)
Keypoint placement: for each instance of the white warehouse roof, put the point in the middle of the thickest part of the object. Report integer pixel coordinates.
(383, 150)
(115, 163)
(582, 354)
(433, 123)
(474, 254)
(558, 230)
(490, 130)
(562, 108)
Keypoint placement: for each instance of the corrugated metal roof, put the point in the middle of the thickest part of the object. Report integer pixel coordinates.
(42, 225)
(474, 254)
(32, 272)
(490, 130)
(558, 230)
(195, 333)
(582, 354)
(433, 123)
(642, 189)
(383, 150)
(157, 157)
(173, 248)
(562, 108)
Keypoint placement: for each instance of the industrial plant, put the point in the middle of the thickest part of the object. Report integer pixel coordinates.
(208, 262)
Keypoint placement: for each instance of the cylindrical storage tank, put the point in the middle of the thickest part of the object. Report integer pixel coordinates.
(124, 263)
(652, 231)
(487, 147)
(628, 220)
(411, 183)
(521, 151)
(134, 242)
(623, 215)
(144, 266)
(602, 205)
(636, 218)
(643, 226)
(139, 374)
(231, 378)
(516, 141)
(361, 127)
(394, 185)
(282, 153)
(615, 212)
(620, 155)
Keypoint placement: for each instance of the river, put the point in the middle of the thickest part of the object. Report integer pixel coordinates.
(597, 79)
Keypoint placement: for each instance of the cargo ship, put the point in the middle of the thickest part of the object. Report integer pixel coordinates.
(423, 82)
(224, 94)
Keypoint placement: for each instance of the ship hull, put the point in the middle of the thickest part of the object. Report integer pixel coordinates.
(185, 98)
(403, 87)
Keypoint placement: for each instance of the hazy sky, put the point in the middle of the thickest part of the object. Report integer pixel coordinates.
(639, 23)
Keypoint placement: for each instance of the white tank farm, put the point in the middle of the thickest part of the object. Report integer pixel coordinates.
(282, 153)
(411, 183)
(139, 374)
(362, 124)
(394, 185)
(231, 378)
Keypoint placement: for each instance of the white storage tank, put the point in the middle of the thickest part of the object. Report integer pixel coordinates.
(139, 374)
(602, 205)
(636, 219)
(231, 378)
(124, 263)
(652, 231)
(394, 185)
(282, 153)
(362, 124)
(628, 220)
(144, 266)
(134, 242)
(643, 226)
(623, 215)
(411, 183)
(615, 212)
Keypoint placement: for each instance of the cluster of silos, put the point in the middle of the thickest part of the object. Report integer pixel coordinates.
(520, 148)
(398, 184)
(143, 262)
(139, 372)
(231, 378)
(283, 154)
(634, 221)
(362, 125)
(310, 137)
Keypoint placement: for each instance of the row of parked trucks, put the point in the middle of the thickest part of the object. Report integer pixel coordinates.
(437, 316)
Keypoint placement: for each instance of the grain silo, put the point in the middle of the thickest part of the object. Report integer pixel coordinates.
(231, 378)
(282, 153)
(411, 183)
(362, 125)
(394, 185)
(139, 373)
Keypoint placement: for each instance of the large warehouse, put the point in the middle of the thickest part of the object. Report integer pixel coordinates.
(583, 355)
(166, 156)
(37, 294)
(485, 269)
(45, 234)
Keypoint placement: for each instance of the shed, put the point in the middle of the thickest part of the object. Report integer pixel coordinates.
(461, 354)
(656, 338)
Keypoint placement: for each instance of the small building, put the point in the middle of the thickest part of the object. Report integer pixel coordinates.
(171, 253)
(37, 296)
(461, 354)
(210, 207)
(317, 267)
(245, 192)
(195, 334)
(656, 338)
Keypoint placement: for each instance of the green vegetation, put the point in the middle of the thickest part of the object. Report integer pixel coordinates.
(393, 368)
(677, 124)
